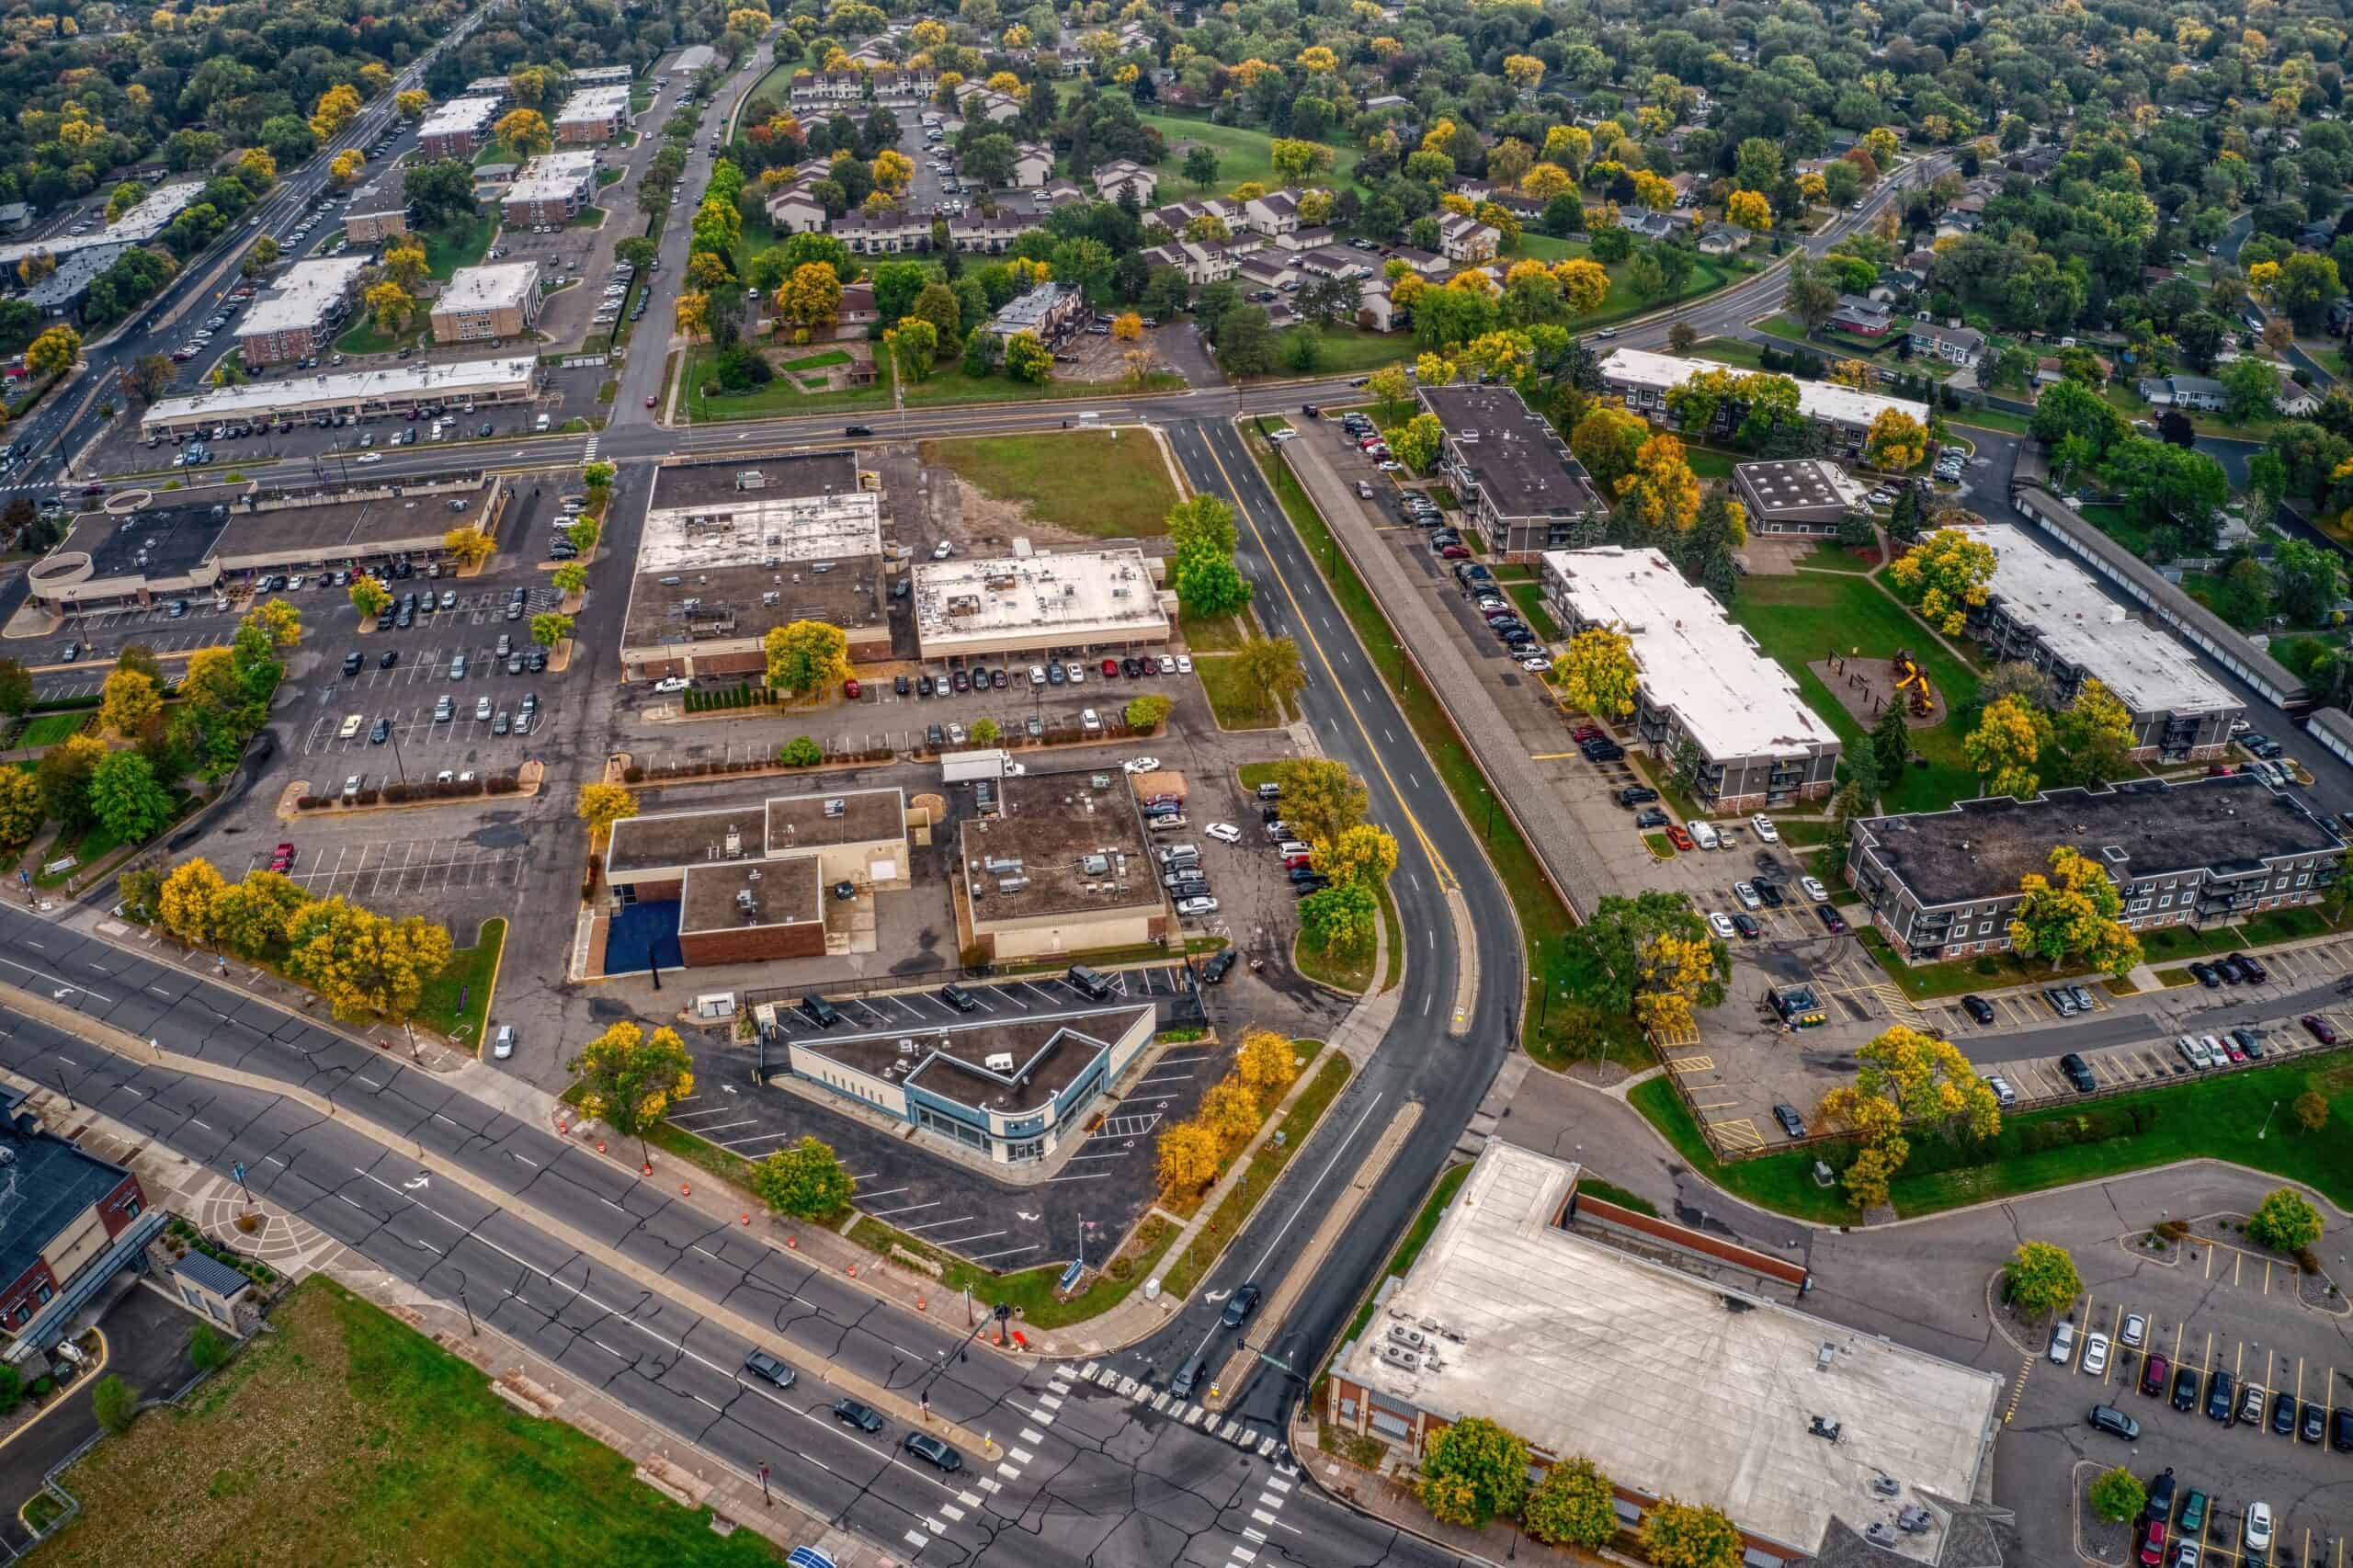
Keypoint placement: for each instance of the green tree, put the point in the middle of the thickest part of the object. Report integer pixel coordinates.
(1621, 933)
(1320, 798)
(1339, 919)
(126, 798)
(2250, 388)
(1271, 665)
(1473, 1470)
(115, 1403)
(2284, 1221)
(801, 752)
(1891, 747)
(1147, 713)
(1690, 1535)
(2117, 1495)
(985, 732)
(1027, 359)
(368, 597)
(15, 688)
(549, 628)
(1572, 1506)
(1209, 585)
(629, 1078)
(2042, 1278)
(804, 1180)
(1416, 442)
(207, 1351)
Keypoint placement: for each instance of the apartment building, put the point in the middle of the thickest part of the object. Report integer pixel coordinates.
(484, 304)
(299, 317)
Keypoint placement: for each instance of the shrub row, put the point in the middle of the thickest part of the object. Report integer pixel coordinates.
(434, 790)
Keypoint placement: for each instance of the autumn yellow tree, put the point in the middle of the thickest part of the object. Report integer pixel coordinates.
(2072, 913)
(412, 103)
(2010, 737)
(1944, 577)
(1664, 489)
(1896, 442)
(334, 110)
(1359, 853)
(346, 165)
(694, 314)
(1544, 181)
(469, 547)
(893, 170)
(404, 262)
(1128, 327)
(185, 904)
(1523, 71)
(365, 964)
(390, 307)
(1854, 373)
(524, 131)
(629, 1078)
(1748, 210)
(1267, 1063)
(1188, 1156)
(1678, 971)
(1596, 673)
(1583, 285)
(600, 806)
(257, 161)
(276, 619)
(129, 702)
(1905, 1076)
(54, 352)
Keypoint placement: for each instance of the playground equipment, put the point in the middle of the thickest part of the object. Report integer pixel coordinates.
(1912, 684)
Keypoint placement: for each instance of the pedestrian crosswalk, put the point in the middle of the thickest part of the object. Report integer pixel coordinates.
(1166, 1403)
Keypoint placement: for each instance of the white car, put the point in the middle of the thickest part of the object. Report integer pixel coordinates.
(1537, 664)
(1168, 664)
(2135, 1330)
(1766, 832)
(1190, 907)
(1184, 663)
(1746, 893)
(942, 551)
(2062, 1343)
(1814, 889)
(1142, 765)
(671, 682)
(1721, 926)
(2096, 1354)
(371, 457)
(1075, 673)
(1224, 832)
(2258, 1527)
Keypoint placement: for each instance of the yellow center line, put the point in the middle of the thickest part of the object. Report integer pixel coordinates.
(1447, 880)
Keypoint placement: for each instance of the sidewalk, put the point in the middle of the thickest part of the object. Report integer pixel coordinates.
(296, 1249)
(1438, 650)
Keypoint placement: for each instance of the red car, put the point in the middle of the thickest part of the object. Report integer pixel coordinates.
(1585, 733)
(281, 857)
(850, 690)
(2320, 1029)
(2152, 1549)
(2220, 771)
(649, 400)
(1676, 837)
(1110, 669)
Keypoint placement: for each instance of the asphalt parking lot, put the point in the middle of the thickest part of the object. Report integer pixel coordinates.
(1100, 1191)
(372, 870)
(2218, 1310)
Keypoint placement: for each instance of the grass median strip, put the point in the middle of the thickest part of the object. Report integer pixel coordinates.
(457, 1001)
(344, 1435)
(1544, 921)
(1266, 1165)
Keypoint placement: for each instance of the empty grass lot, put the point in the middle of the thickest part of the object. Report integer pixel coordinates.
(1242, 154)
(343, 1437)
(1105, 483)
(1802, 618)
(460, 245)
(1353, 351)
(1238, 706)
(945, 385)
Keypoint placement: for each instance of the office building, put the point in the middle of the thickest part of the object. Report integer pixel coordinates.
(70, 1222)
(1510, 469)
(1079, 601)
(1805, 496)
(2208, 852)
(1702, 679)
(1061, 867)
(482, 304)
(1843, 414)
(355, 394)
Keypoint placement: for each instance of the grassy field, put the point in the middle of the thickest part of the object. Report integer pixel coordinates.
(1622, 302)
(1708, 463)
(1799, 619)
(344, 1437)
(445, 250)
(1238, 707)
(947, 385)
(49, 728)
(1242, 154)
(1829, 557)
(1353, 351)
(1220, 636)
(363, 337)
(468, 975)
(1331, 1075)
(1529, 597)
(2113, 521)
(1107, 484)
(1783, 1183)
(1731, 351)
(1353, 975)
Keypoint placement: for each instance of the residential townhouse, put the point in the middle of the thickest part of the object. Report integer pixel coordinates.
(1464, 239)
(975, 234)
(1121, 175)
(1033, 164)
(896, 232)
(1844, 415)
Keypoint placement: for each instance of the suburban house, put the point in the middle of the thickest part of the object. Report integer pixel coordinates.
(1953, 343)
(1861, 317)
(1033, 164)
(2183, 392)
(1274, 214)
(1122, 174)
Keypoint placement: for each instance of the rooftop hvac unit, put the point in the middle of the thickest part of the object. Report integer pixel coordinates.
(733, 843)
(906, 1048)
(1398, 1355)
(751, 479)
(835, 805)
(1824, 1357)
(1097, 865)
(1012, 884)
(998, 1062)
(1824, 1427)
(998, 865)
(1412, 1339)
(746, 902)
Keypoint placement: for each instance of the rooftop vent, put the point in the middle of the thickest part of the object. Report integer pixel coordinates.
(998, 1062)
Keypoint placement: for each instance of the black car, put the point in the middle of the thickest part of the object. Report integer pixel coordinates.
(2219, 1393)
(1978, 1008)
(934, 736)
(923, 687)
(1791, 1122)
(2283, 1413)
(2229, 970)
(392, 656)
(961, 680)
(1240, 1305)
(1221, 962)
(1636, 795)
(931, 1449)
(900, 686)
(381, 733)
(769, 1369)
(2078, 1073)
(2206, 974)
(2185, 1389)
(856, 1414)
(959, 998)
(1832, 921)
(1301, 873)
(2250, 967)
(1768, 893)
(1746, 926)
(2316, 1422)
(1313, 884)
(1651, 816)
(856, 430)
(997, 680)
(2340, 1429)
(1130, 669)
(2115, 1423)
(351, 662)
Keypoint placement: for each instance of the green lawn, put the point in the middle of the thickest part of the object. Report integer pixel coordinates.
(1353, 351)
(460, 244)
(1800, 619)
(1731, 351)
(363, 338)
(817, 362)
(1529, 597)
(1318, 962)
(1242, 154)
(1707, 462)
(49, 728)
(467, 974)
(947, 385)
(1622, 302)
(586, 218)
(1238, 707)
(1783, 1183)
(1105, 483)
(1545, 247)
(1829, 557)
(344, 1435)
(2119, 526)
(1219, 636)
(1991, 419)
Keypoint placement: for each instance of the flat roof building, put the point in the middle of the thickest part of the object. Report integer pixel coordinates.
(601, 75)
(74, 1222)
(202, 541)
(733, 547)
(1512, 471)
(1678, 1385)
(1043, 311)
(1061, 869)
(1006, 1093)
(149, 217)
(2047, 611)
(1026, 603)
(756, 880)
(481, 304)
(1843, 414)
(1798, 495)
(594, 115)
(458, 129)
(1703, 679)
(1945, 884)
(297, 317)
(378, 209)
(693, 58)
(553, 188)
(363, 394)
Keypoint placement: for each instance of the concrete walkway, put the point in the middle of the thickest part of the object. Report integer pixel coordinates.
(1551, 829)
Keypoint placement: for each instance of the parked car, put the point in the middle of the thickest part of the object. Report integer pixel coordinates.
(769, 1369)
(1978, 1008)
(2063, 1342)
